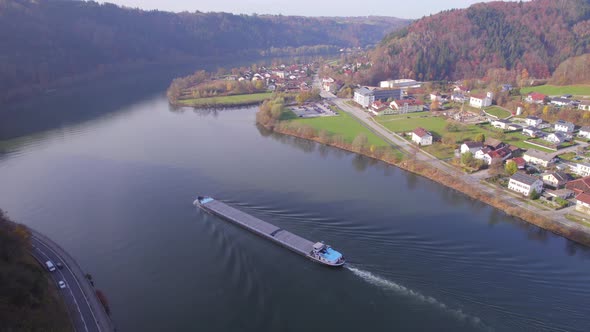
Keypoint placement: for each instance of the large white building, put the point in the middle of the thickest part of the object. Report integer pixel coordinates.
(564, 126)
(525, 184)
(539, 157)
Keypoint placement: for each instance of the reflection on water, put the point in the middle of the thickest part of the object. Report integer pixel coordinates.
(116, 192)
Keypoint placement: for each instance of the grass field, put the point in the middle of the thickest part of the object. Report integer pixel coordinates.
(227, 100)
(499, 112)
(398, 124)
(553, 90)
(344, 125)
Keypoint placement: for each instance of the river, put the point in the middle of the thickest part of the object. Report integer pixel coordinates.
(116, 191)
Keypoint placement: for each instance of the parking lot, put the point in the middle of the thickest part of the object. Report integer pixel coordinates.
(313, 110)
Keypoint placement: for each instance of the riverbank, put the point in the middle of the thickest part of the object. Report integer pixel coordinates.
(411, 164)
(224, 101)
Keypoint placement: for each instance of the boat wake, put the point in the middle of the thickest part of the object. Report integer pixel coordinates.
(393, 286)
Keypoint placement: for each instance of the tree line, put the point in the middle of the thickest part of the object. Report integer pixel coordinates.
(534, 36)
(49, 42)
(26, 300)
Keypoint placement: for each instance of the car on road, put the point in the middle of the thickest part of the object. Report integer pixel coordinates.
(59, 265)
(61, 284)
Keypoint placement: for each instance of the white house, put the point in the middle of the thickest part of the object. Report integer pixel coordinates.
(564, 126)
(556, 179)
(584, 105)
(535, 98)
(525, 184)
(529, 131)
(584, 132)
(479, 154)
(502, 124)
(471, 146)
(407, 106)
(380, 108)
(582, 169)
(556, 138)
(537, 157)
(458, 97)
(437, 96)
(533, 121)
(481, 101)
(497, 156)
(421, 137)
(561, 101)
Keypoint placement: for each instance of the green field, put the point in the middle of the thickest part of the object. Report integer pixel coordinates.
(553, 90)
(344, 125)
(401, 123)
(227, 100)
(497, 111)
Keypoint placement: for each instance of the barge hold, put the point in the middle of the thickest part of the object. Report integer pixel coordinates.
(318, 252)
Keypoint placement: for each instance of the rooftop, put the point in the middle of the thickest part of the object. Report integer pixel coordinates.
(421, 132)
(546, 156)
(523, 178)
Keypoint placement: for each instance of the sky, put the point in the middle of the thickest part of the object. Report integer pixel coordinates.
(397, 8)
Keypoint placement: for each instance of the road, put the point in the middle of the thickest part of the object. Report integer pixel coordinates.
(85, 311)
(403, 145)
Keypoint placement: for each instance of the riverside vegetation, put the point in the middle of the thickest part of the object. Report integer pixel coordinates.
(273, 116)
(28, 298)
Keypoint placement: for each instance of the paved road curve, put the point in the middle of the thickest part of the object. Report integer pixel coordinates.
(85, 311)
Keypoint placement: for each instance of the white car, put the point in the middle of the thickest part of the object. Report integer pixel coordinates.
(61, 284)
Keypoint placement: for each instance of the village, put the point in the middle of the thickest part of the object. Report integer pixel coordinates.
(545, 164)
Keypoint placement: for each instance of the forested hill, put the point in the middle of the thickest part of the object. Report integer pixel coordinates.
(536, 36)
(48, 40)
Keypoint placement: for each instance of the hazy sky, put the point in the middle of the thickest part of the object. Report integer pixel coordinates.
(398, 8)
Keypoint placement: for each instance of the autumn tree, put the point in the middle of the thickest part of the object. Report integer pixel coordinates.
(480, 137)
(511, 168)
(360, 142)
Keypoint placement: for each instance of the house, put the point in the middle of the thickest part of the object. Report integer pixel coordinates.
(584, 132)
(494, 144)
(471, 146)
(458, 97)
(327, 83)
(502, 124)
(579, 186)
(559, 101)
(556, 138)
(437, 96)
(539, 158)
(561, 193)
(533, 121)
(564, 126)
(582, 169)
(525, 184)
(583, 203)
(520, 162)
(378, 107)
(584, 105)
(535, 98)
(514, 127)
(556, 180)
(481, 100)
(421, 137)
(515, 150)
(480, 154)
(497, 156)
(407, 106)
(529, 131)
(461, 89)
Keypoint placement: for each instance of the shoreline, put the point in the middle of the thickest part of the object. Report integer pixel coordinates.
(218, 105)
(457, 184)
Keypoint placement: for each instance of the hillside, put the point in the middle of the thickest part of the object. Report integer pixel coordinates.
(27, 301)
(46, 41)
(456, 44)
